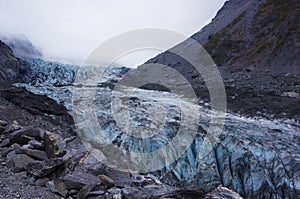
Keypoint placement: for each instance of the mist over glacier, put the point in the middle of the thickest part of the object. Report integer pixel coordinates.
(69, 31)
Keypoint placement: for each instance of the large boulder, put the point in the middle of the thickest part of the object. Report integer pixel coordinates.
(78, 180)
(18, 161)
(24, 135)
(54, 145)
(43, 168)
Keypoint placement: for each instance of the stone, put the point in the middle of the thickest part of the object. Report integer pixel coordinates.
(57, 187)
(54, 145)
(3, 126)
(41, 182)
(222, 193)
(34, 144)
(32, 180)
(69, 139)
(13, 127)
(107, 181)
(77, 180)
(84, 191)
(18, 161)
(95, 193)
(37, 154)
(23, 136)
(43, 168)
(115, 193)
(291, 94)
(73, 192)
(9, 149)
(5, 143)
(22, 174)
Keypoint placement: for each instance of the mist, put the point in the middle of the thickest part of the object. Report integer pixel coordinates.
(70, 30)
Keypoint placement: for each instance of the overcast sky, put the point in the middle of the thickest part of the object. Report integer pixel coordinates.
(72, 29)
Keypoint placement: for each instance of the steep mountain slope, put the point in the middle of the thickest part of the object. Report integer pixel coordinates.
(12, 68)
(265, 37)
(255, 44)
(251, 35)
(9, 64)
(22, 47)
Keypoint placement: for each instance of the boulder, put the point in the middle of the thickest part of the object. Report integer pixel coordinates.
(107, 181)
(33, 144)
(78, 180)
(222, 193)
(3, 126)
(43, 168)
(36, 154)
(54, 145)
(5, 143)
(13, 127)
(84, 191)
(41, 182)
(18, 161)
(57, 187)
(114, 193)
(96, 193)
(9, 149)
(24, 135)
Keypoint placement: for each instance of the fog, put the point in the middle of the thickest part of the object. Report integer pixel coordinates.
(70, 30)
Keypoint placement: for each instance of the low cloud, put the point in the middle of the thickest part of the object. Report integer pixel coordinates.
(69, 30)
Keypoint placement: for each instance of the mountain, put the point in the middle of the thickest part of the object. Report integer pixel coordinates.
(255, 44)
(22, 47)
(261, 36)
(9, 64)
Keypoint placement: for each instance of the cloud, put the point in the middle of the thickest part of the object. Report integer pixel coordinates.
(71, 29)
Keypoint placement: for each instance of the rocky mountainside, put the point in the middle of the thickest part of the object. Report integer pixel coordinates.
(12, 68)
(9, 65)
(22, 47)
(261, 36)
(255, 44)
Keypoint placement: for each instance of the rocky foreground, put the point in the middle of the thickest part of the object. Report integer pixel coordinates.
(40, 159)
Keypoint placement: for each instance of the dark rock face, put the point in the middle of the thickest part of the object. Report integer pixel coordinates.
(36, 105)
(9, 65)
(22, 47)
(39, 105)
